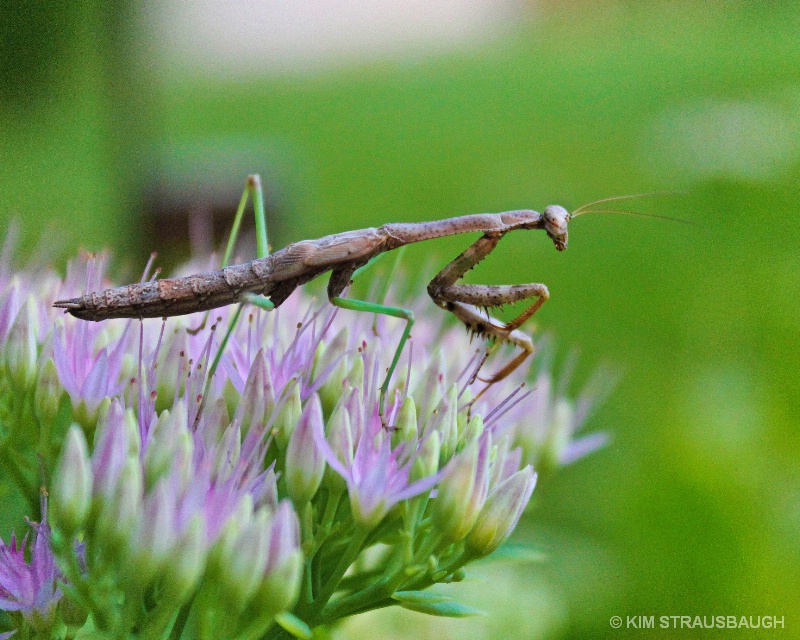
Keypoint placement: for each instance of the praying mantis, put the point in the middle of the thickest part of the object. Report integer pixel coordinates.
(269, 280)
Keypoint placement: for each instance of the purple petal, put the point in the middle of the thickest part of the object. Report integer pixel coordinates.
(583, 446)
(97, 382)
(64, 364)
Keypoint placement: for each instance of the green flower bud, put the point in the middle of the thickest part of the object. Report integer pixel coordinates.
(134, 437)
(170, 444)
(280, 588)
(405, 426)
(427, 462)
(305, 463)
(258, 398)
(172, 370)
(230, 449)
(446, 414)
(333, 388)
(502, 511)
(288, 416)
(119, 516)
(88, 417)
(429, 388)
(72, 489)
(355, 377)
(188, 562)
(339, 433)
(155, 537)
(462, 492)
(48, 392)
(473, 431)
(21, 350)
(244, 555)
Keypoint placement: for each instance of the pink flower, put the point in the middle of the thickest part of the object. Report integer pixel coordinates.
(377, 475)
(30, 588)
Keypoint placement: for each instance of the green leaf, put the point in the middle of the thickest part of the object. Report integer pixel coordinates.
(420, 597)
(434, 604)
(294, 625)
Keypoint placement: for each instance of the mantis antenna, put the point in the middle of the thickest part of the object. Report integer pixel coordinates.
(585, 208)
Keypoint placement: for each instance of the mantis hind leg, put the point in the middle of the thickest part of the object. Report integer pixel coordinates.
(252, 190)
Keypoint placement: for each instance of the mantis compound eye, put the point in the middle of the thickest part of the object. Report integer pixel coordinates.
(555, 224)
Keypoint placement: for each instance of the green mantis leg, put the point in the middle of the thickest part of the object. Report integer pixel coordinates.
(252, 190)
(380, 308)
(395, 312)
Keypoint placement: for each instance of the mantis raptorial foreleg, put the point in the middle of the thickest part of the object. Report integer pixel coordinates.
(465, 301)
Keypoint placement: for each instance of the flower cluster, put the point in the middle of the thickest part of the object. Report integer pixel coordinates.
(253, 490)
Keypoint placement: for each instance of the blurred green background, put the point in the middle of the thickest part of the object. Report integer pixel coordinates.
(694, 507)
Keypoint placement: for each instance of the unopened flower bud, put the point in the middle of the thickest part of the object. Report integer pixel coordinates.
(172, 371)
(164, 444)
(446, 421)
(48, 392)
(188, 562)
(332, 362)
(430, 388)
(305, 463)
(21, 348)
(122, 510)
(258, 398)
(288, 415)
(405, 426)
(355, 377)
(502, 511)
(281, 584)
(462, 491)
(427, 462)
(72, 489)
(340, 438)
(473, 431)
(87, 414)
(243, 557)
(334, 385)
(155, 535)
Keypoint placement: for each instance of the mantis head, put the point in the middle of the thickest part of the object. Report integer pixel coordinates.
(555, 224)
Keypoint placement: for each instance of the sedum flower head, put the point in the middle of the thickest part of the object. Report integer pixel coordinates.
(273, 490)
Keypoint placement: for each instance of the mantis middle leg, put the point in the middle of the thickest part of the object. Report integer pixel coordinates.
(339, 280)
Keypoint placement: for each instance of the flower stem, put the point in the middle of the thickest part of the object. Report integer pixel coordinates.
(312, 613)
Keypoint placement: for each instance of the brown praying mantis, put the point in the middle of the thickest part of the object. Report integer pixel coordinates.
(269, 280)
